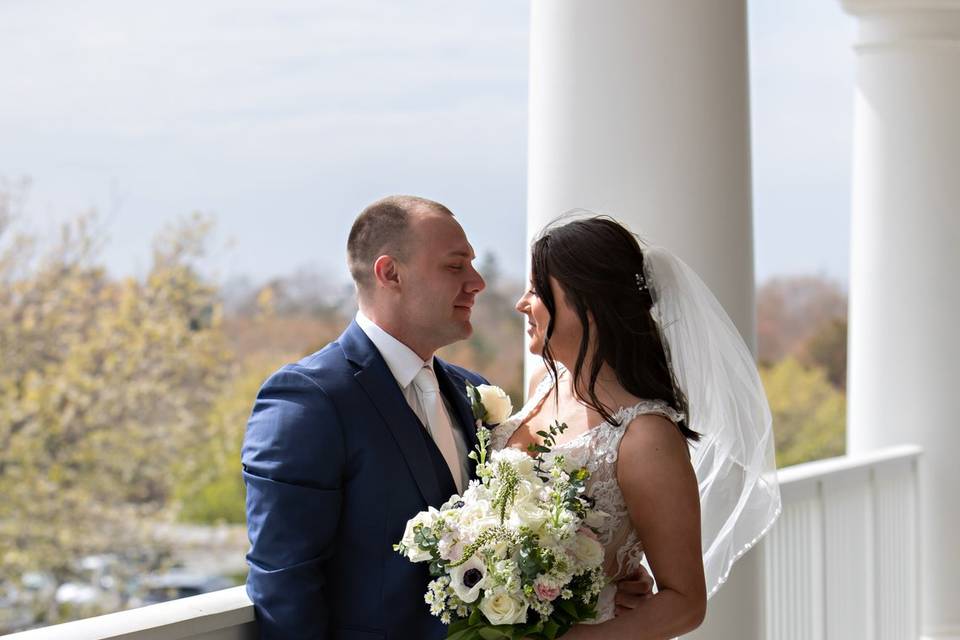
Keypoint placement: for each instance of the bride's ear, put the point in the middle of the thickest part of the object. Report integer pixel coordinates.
(386, 271)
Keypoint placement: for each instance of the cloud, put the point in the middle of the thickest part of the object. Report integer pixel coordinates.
(284, 118)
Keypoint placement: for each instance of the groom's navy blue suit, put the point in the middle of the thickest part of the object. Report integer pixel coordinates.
(335, 463)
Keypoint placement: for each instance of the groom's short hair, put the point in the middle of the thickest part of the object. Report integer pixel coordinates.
(383, 228)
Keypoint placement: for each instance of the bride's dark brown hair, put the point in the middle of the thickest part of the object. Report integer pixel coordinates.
(596, 262)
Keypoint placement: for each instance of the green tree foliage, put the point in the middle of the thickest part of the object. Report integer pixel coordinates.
(808, 412)
(827, 348)
(105, 387)
(211, 487)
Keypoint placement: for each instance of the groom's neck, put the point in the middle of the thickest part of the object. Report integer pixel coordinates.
(396, 328)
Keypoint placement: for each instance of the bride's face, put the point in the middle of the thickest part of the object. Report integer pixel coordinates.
(567, 330)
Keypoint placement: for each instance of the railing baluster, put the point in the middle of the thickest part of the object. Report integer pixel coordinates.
(842, 563)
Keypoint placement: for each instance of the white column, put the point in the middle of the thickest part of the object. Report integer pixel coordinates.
(640, 109)
(904, 346)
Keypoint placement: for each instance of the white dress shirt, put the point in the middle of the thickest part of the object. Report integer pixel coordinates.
(404, 364)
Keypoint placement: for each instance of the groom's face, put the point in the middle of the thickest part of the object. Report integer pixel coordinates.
(441, 284)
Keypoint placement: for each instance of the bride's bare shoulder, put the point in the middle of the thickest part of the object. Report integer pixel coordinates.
(654, 464)
(653, 435)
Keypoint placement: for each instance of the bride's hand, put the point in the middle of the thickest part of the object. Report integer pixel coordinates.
(633, 589)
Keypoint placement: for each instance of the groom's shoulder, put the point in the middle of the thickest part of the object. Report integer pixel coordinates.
(322, 368)
(323, 360)
(472, 376)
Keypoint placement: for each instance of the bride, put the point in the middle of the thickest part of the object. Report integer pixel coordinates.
(662, 404)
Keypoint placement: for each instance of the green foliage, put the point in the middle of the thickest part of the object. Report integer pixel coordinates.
(210, 487)
(549, 440)
(808, 412)
(104, 389)
(219, 500)
(827, 348)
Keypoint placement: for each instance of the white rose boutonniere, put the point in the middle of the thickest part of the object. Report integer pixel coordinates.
(491, 405)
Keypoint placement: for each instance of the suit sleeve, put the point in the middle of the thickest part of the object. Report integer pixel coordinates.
(293, 458)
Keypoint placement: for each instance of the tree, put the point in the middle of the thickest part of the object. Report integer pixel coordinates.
(211, 486)
(827, 348)
(808, 412)
(104, 388)
(791, 310)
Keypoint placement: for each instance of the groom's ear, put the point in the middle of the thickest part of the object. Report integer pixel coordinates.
(386, 272)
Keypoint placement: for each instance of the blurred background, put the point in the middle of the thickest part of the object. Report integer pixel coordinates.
(176, 185)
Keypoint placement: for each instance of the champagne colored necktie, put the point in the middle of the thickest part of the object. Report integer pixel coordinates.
(438, 422)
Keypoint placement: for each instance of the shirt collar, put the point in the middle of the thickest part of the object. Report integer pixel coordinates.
(403, 363)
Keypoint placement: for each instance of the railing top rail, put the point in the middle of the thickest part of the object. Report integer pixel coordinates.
(183, 618)
(820, 469)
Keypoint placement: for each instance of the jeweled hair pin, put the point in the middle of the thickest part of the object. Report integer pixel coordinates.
(641, 282)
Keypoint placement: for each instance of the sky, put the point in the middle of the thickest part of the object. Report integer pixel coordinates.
(284, 119)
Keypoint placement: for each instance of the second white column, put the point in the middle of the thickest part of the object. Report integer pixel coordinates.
(640, 109)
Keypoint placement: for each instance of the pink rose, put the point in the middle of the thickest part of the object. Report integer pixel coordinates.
(546, 592)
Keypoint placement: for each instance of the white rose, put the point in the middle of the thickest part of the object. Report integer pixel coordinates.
(497, 403)
(468, 579)
(522, 462)
(528, 510)
(530, 490)
(476, 516)
(501, 608)
(587, 550)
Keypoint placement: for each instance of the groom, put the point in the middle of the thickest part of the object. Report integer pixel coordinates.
(343, 447)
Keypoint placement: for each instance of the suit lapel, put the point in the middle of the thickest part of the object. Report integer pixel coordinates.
(384, 393)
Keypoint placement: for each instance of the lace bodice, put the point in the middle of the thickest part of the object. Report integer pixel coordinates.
(597, 449)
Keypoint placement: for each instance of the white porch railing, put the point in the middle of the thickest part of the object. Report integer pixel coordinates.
(842, 562)
(220, 615)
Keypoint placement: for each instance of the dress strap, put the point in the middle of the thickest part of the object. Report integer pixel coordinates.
(658, 407)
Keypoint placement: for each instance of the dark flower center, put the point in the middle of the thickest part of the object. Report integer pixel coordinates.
(458, 504)
(471, 577)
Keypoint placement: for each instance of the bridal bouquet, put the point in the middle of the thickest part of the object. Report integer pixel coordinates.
(516, 556)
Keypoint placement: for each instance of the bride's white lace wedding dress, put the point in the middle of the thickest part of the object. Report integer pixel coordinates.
(597, 449)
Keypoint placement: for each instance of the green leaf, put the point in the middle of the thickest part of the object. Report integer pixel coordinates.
(462, 629)
(494, 633)
(550, 629)
(477, 617)
(466, 633)
(458, 625)
(568, 607)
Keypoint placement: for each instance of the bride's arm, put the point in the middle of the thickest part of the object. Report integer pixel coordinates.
(660, 489)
